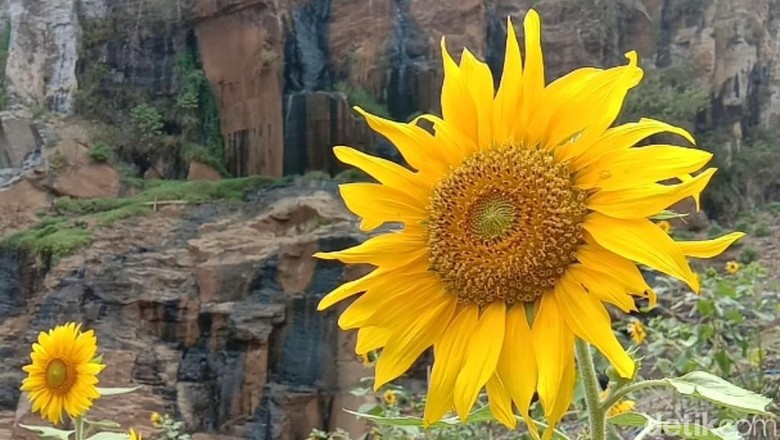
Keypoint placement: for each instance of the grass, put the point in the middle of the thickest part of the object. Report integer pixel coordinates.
(54, 236)
(108, 211)
(64, 234)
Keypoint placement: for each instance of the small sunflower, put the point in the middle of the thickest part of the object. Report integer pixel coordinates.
(523, 212)
(637, 332)
(156, 419)
(62, 377)
(134, 435)
(621, 407)
(390, 397)
(732, 267)
(665, 226)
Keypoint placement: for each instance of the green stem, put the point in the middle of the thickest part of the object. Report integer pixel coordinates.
(591, 385)
(618, 394)
(79, 422)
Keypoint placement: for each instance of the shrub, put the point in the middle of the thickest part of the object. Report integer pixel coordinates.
(100, 152)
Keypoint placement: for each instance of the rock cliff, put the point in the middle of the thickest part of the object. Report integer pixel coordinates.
(209, 309)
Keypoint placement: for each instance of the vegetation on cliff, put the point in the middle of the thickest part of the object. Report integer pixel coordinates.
(71, 225)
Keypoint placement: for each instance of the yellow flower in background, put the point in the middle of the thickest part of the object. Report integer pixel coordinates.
(390, 398)
(621, 407)
(665, 226)
(637, 332)
(62, 377)
(156, 419)
(133, 435)
(732, 267)
(523, 213)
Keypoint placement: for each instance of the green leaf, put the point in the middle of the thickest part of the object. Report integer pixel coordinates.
(630, 419)
(367, 407)
(481, 415)
(674, 428)
(109, 424)
(47, 432)
(668, 215)
(116, 391)
(109, 436)
(716, 390)
(724, 361)
(699, 432)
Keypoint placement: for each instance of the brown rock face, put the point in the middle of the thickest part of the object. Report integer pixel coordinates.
(320, 121)
(357, 54)
(18, 205)
(72, 173)
(240, 42)
(212, 311)
(201, 171)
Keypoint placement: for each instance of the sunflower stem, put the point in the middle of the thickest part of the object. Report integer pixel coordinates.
(79, 422)
(590, 383)
(621, 392)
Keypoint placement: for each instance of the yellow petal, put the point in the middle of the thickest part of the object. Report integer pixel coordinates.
(506, 106)
(386, 172)
(647, 200)
(500, 402)
(639, 166)
(449, 353)
(376, 277)
(417, 146)
(392, 301)
(709, 248)
(370, 339)
(409, 341)
(564, 397)
(615, 140)
(446, 134)
(603, 286)
(533, 69)
(485, 344)
(378, 204)
(643, 242)
(551, 123)
(517, 364)
(588, 319)
(479, 81)
(387, 250)
(553, 344)
(602, 89)
(596, 258)
(457, 104)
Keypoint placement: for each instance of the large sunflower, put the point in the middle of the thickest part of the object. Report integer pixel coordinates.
(62, 377)
(524, 211)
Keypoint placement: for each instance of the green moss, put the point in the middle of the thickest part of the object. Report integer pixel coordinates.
(762, 230)
(748, 255)
(67, 233)
(351, 175)
(100, 152)
(5, 40)
(114, 209)
(55, 237)
(197, 110)
(362, 98)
